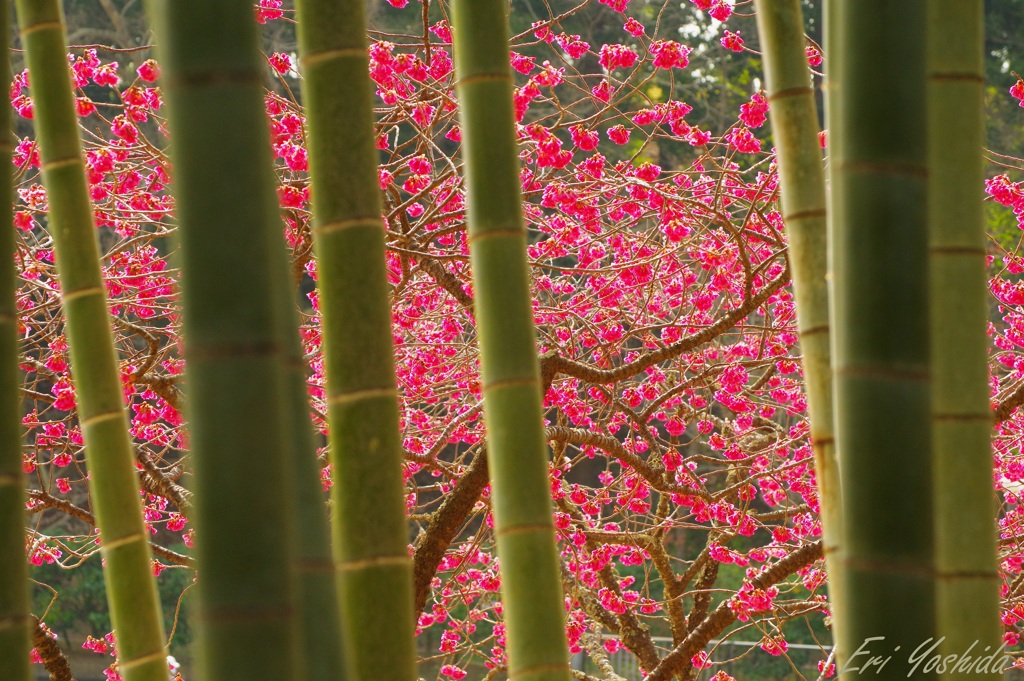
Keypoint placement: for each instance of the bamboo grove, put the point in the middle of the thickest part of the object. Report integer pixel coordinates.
(490, 347)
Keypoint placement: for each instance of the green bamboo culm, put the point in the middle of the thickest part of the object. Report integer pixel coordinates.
(316, 590)
(15, 623)
(968, 586)
(881, 358)
(370, 527)
(530, 577)
(131, 589)
(794, 121)
(229, 224)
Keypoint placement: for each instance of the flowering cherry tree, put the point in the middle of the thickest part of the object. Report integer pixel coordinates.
(681, 466)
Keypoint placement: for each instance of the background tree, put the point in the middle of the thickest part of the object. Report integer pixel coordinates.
(670, 367)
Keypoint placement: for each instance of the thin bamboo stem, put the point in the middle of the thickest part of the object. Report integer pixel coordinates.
(131, 589)
(15, 623)
(531, 588)
(968, 587)
(794, 121)
(370, 527)
(316, 588)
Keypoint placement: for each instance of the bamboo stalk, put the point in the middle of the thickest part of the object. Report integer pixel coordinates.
(531, 588)
(881, 359)
(229, 221)
(131, 589)
(968, 587)
(15, 623)
(370, 528)
(794, 121)
(316, 591)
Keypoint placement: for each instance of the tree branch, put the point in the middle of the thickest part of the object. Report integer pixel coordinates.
(446, 280)
(1008, 402)
(49, 501)
(553, 364)
(654, 475)
(444, 526)
(54, 660)
(156, 482)
(679, 661)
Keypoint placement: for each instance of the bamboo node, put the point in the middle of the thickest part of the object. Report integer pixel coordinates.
(801, 214)
(9, 480)
(121, 541)
(821, 328)
(41, 26)
(510, 383)
(14, 621)
(967, 574)
(359, 395)
(341, 225)
(957, 250)
(790, 92)
(82, 292)
(963, 418)
(891, 567)
(105, 416)
(524, 529)
(376, 561)
(61, 163)
(143, 659)
(337, 53)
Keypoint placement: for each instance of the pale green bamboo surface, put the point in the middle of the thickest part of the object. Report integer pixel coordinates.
(968, 596)
(530, 583)
(794, 121)
(131, 590)
(316, 593)
(370, 528)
